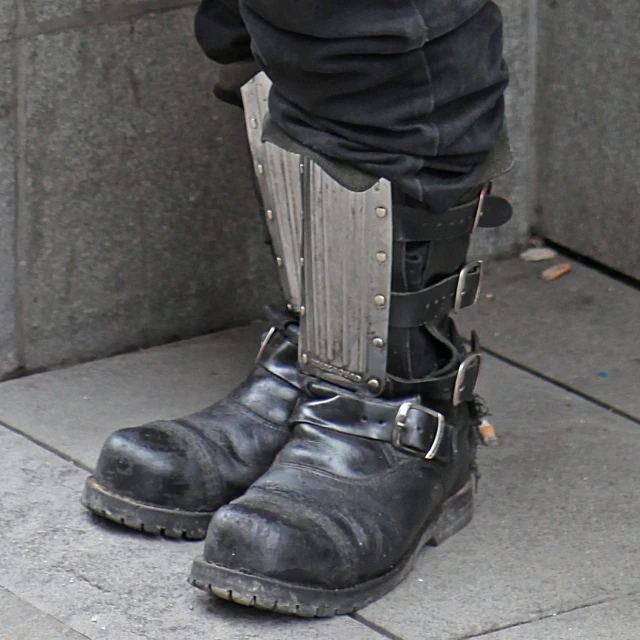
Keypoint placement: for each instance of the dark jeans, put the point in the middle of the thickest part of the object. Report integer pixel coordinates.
(409, 90)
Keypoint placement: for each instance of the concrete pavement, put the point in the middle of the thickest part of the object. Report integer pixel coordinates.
(552, 552)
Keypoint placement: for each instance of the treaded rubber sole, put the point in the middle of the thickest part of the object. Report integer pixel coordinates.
(170, 523)
(309, 602)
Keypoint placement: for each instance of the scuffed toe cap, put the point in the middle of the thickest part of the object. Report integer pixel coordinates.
(150, 464)
(278, 539)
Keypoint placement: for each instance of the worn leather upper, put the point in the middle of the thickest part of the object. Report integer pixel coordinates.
(336, 509)
(204, 460)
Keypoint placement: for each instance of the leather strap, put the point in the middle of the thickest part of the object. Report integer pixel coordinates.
(429, 305)
(409, 226)
(456, 386)
(405, 423)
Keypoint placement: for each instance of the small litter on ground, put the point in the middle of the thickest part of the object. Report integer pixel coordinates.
(538, 254)
(554, 272)
(488, 434)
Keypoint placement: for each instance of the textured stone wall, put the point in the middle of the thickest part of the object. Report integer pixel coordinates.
(588, 129)
(128, 217)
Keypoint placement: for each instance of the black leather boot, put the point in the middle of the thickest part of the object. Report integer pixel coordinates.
(365, 482)
(169, 477)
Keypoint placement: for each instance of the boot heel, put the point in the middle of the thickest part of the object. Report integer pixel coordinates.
(456, 514)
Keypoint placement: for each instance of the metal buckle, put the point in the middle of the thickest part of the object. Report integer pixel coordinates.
(401, 422)
(479, 212)
(462, 283)
(265, 342)
(459, 387)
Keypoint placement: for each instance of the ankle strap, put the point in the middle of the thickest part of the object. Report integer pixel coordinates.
(430, 305)
(487, 211)
(405, 423)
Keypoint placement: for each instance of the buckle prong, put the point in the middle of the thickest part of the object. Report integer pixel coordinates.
(459, 387)
(401, 422)
(462, 283)
(265, 342)
(479, 210)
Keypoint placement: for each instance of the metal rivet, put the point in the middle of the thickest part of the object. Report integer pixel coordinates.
(302, 262)
(279, 261)
(378, 342)
(374, 385)
(290, 307)
(301, 168)
(260, 169)
(381, 256)
(254, 123)
(304, 358)
(381, 212)
(269, 214)
(380, 301)
(302, 311)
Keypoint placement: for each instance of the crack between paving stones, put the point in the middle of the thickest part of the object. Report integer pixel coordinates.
(547, 616)
(374, 627)
(562, 385)
(513, 625)
(47, 447)
(44, 613)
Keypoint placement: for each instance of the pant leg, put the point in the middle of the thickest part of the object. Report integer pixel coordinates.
(410, 90)
(221, 32)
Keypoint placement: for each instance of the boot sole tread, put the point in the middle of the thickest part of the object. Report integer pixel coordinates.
(146, 518)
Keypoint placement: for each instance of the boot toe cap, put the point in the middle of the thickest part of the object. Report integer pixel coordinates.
(282, 541)
(151, 464)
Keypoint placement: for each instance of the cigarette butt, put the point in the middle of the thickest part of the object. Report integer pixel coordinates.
(488, 434)
(552, 273)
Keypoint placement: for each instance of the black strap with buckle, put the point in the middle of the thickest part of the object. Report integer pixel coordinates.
(433, 303)
(486, 211)
(409, 426)
(456, 386)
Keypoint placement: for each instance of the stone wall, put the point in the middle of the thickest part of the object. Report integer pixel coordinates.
(128, 217)
(588, 129)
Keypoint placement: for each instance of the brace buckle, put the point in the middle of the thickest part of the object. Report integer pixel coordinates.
(479, 210)
(265, 342)
(400, 423)
(461, 380)
(470, 269)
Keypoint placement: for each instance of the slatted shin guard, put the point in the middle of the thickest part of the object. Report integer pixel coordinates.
(279, 176)
(380, 284)
(348, 240)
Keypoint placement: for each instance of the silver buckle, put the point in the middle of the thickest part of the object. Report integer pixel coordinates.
(265, 342)
(479, 212)
(462, 283)
(401, 422)
(462, 372)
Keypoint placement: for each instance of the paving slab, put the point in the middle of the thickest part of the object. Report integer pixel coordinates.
(75, 409)
(581, 329)
(108, 584)
(619, 619)
(21, 621)
(556, 523)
